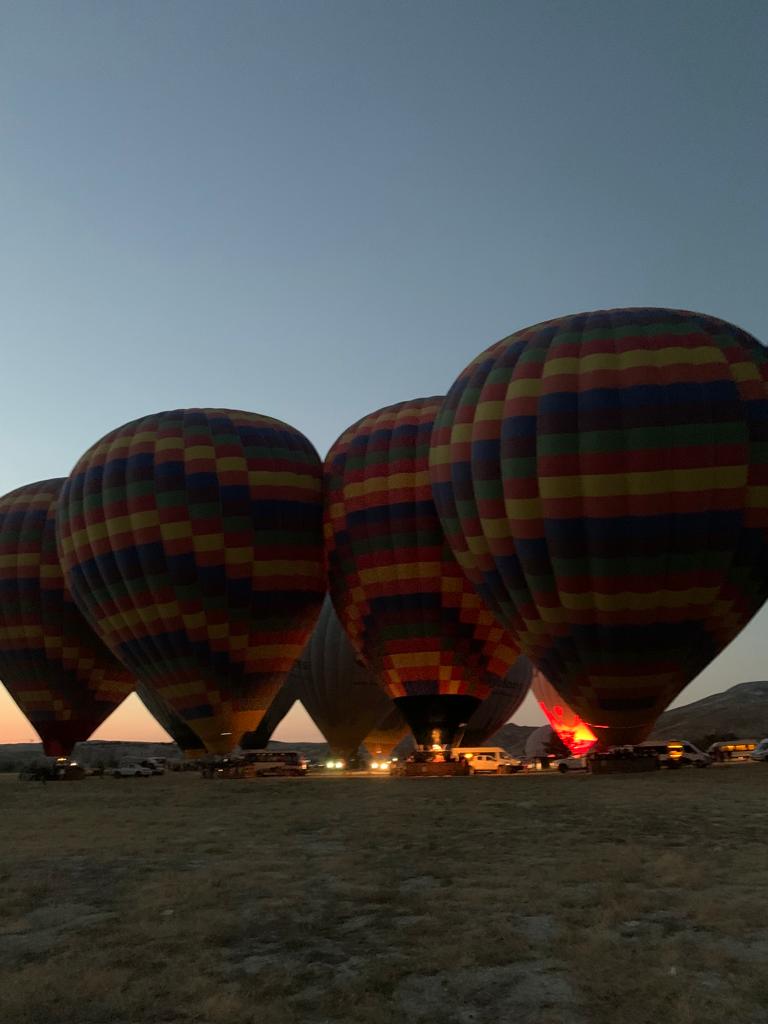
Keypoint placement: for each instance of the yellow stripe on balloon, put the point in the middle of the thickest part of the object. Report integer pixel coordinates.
(176, 531)
(385, 484)
(495, 528)
(11, 561)
(282, 567)
(20, 633)
(403, 571)
(523, 387)
(488, 411)
(208, 542)
(194, 621)
(629, 601)
(663, 481)
(757, 497)
(199, 451)
(238, 556)
(165, 444)
(745, 371)
(633, 359)
(268, 478)
(461, 433)
(414, 659)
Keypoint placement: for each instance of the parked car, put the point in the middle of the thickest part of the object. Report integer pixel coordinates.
(155, 765)
(490, 760)
(760, 753)
(135, 769)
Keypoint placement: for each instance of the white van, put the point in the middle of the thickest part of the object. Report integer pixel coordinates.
(491, 760)
(675, 753)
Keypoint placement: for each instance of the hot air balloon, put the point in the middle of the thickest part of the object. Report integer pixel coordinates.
(505, 698)
(602, 478)
(538, 743)
(401, 597)
(192, 542)
(342, 699)
(572, 730)
(186, 740)
(286, 697)
(390, 732)
(57, 670)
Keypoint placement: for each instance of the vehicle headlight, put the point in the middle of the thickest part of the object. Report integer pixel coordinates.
(339, 764)
(330, 764)
(374, 765)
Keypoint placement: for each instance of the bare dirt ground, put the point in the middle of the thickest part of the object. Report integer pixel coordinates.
(518, 900)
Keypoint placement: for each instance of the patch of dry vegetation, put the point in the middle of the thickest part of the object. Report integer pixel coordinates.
(523, 899)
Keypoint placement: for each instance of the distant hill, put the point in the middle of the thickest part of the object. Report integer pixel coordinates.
(512, 738)
(95, 752)
(741, 711)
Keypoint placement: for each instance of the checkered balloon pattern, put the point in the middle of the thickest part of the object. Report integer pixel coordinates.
(403, 600)
(54, 666)
(192, 540)
(603, 481)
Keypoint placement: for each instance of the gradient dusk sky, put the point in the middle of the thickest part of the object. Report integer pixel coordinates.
(315, 208)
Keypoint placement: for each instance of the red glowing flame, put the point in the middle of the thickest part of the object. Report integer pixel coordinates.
(571, 729)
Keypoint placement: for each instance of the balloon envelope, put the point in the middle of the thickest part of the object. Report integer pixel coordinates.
(499, 706)
(57, 670)
(192, 541)
(570, 727)
(388, 734)
(401, 597)
(603, 480)
(186, 739)
(339, 693)
(281, 704)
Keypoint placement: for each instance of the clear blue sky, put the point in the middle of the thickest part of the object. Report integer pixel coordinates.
(312, 209)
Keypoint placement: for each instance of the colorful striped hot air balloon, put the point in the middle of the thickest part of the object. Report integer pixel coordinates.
(57, 670)
(341, 697)
(402, 599)
(192, 541)
(603, 481)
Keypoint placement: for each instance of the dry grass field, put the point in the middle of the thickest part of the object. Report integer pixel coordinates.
(518, 900)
